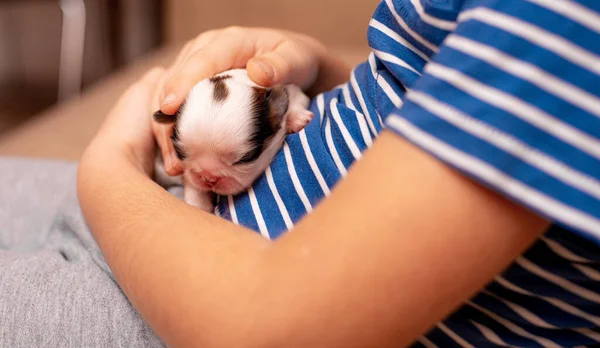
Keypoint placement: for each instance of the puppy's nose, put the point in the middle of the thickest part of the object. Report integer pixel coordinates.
(208, 177)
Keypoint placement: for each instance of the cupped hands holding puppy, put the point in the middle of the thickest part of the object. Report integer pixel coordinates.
(270, 56)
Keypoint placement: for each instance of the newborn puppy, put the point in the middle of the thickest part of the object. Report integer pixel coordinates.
(228, 131)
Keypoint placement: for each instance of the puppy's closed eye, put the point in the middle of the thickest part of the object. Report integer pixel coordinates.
(249, 156)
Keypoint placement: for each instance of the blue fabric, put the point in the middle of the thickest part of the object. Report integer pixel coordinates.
(508, 92)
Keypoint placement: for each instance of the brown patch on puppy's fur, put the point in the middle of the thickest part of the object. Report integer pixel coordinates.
(220, 91)
(278, 106)
(176, 145)
(267, 107)
(219, 77)
(161, 117)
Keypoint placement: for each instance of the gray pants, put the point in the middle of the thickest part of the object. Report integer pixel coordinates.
(55, 287)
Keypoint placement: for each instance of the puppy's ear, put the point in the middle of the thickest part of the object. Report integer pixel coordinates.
(161, 117)
(269, 106)
(279, 102)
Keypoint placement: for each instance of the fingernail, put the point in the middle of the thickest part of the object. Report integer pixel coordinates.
(267, 68)
(169, 99)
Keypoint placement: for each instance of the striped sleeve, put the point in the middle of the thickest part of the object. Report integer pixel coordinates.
(512, 99)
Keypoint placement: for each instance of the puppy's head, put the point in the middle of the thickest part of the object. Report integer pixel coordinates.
(228, 131)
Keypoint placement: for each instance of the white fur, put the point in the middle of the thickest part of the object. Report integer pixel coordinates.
(215, 134)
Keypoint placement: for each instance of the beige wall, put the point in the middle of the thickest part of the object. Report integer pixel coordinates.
(338, 23)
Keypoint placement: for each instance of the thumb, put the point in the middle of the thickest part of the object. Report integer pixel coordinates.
(288, 63)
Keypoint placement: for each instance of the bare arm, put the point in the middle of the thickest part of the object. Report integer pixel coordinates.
(351, 274)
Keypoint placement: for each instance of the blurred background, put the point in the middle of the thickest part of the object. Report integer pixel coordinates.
(63, 63)
(52, 50)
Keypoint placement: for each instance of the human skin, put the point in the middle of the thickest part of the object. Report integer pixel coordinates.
(350, 275)
(270, 56)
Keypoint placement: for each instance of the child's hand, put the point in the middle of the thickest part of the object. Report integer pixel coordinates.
(270, 56)
(126, 131)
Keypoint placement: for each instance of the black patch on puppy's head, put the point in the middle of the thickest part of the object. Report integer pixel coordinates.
(220, 90)
(267, 108)
(177, 145)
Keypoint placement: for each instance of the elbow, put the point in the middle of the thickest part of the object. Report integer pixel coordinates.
(250, 330)
(251, 323)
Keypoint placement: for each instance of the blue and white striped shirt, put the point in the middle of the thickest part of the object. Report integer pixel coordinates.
(507, 92)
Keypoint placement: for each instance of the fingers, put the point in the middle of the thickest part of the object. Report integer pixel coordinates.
(152, 77)
(130, 114)
(162, 134)
(209, 55)
(144, 87)
(182, 57)
(289, 62)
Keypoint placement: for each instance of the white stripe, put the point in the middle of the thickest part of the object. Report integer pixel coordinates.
(556, 280)
(589, 333)
(426, 342)
(355, 85)
(395, 60)
(217, 210)
(348, 98)
(528, 72)
(508, 143)
(360, 118)
(563, 252)
(408, 30)
(516, 329)
(232, 211)
(589, 272)
(536, 320)
(294, 176)
(522, 312)
(571, 257)
(489, 174)
(257, 214)
(553, 301)
(385, 86)
(489, 334)
(517, 108)
(363, 105)
(454, 336)
(313, 165)
(321, 107)
(399, 39)
(284, 212)
(345, 134)
(334, 154)
(536, 35)
(433, 21)
(573, 11)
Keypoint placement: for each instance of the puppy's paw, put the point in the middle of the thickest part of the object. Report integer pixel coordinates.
(298, 119)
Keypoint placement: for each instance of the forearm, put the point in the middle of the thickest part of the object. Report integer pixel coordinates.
(183, 269)
(211, 280)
